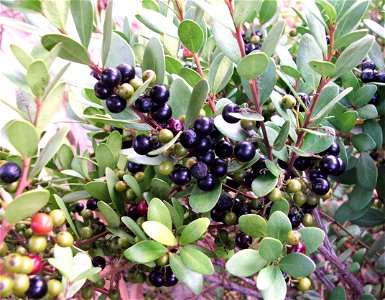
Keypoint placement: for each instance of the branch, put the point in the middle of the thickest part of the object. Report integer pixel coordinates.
(91, 240)
(234, 287)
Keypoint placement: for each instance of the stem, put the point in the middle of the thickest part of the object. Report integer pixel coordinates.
(91, 240)
(234, 287)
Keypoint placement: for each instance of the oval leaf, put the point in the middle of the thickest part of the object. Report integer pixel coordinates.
(194, 230)
(196, 261)
(145, 251)
(109, 214)
(270, 248)
(297, 265)
(253, 225)
(253, 65)
(37, 77)
(191, 35)
(159, 233)
(264, 184)
(158, 211)
(312, 237)
(202, 201)
(245, 263)
(278, 226)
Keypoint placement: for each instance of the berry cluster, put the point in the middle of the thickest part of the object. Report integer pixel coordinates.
(253, 42)
(369, 74)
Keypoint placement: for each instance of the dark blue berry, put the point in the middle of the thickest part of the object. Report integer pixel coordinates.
(101, 91)
(162, 113)
(189, 138)
(199, 170)
(142, 144)
(144, 104)
(329, 165)
(223, 149)
(207, 158)
(203, 145)
(160, 94)
(368, 64)
(134, 167)
(10, 172)
(38, 287)
(375, 99)
(208, 183)
(180, 176)
(111, 77)
(367, 75)
(230, 108)
(244, 151)
(242, 240)
(219, 167)
(320, 186)
(115, 104)
(127, 71)
(203, 126)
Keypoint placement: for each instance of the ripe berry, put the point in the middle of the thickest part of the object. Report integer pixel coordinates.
(175, 125)
(368, 64)
(10, 172)
(329, 165)
(132, 212)
(41, 223)
(127, 71)
(111, 77)
(304, 284)
(230, 108)
(99, 262)
(342, 168)
(379, 77)
(95, 75)
(217, 214)
(334, 149)
(156, 278)
(142, 207)
(249, 48)
(258, 33)
(142, 144)
(208, 157)
(180, 176)
(208, 183)
(300, 247)
(375, 99)
(188, 138)
(302, 163)
(367, 75)
(203, 126)
(242, 240)
(244, 151)
(288, 101)
(316, 173)
(223, 149)
(259, 165)
(134, 167)
(199, 170)
(295, 219)
(159, 94)
(38, 287)
(92, 204)
(144, 104)
(219, 167)
(293, 237)
(161, 113)
(115, 104)
(320, 186)
(202, 145)
(101, 91)
(170, 278)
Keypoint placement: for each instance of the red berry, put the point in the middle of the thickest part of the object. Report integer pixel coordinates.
(37, 262)
(300, 247)
(142, 207)
(41, 223)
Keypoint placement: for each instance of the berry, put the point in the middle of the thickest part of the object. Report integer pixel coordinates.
(219, 167)
(144, 104)
(379, 77)
(208, 183)
(159, 94)
(217, 214)
(170, 278)
(300, 247)
(307, 220)
(156, 278)
(368, 64)
(375, 99)
(161, 113)
(203, 145)
(242, 240)
(225, 202)
(20, 285)
(258, 33)
(189, 138)
(99, 261)
(299, 198)
(179, 150)
(244, 151)
(54, 287)
(41, 223)
(259, 165)
(316, 173)
(165, 135)
(293, 237)
(87, 292)
(127, 71)
(10, 172)
(165, 167)
(125, 91)
(38, 287)
(142, 144)
(288, 101)
(249, 48)
(255, 39)
(203, 126)
(342, 168)
(142, 207)
(293, 185)
(111, 77)
(155, 144)
(180, 176)
(320, 186)
(149, 74)
(295, 219)
(86, 232)
(64, 239)
(115, 104)
(101, 91)
(121, 186)
(37, 263)
(329, 165)
(275, 195)
(208, 157)
(304, 284)
(302, 163)
(230, 108)
(175, 125)
(79, 207)
(37, 244)
(199, 170)
(334, 149)
(134, 167)
(223, 149)
(13, 263)
(230, 218)
(162, 261)
(367, 75)
(6, 285)
(132, 212)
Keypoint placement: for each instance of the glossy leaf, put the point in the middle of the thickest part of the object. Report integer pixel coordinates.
(160, 233)
(145, 251)
(194, 230)
(297, 265)
(158, 211)
(278, 226)
(368, 171)
(82, 13)
(196, 261)
(253, 225)
(131, 224)
(245, 263)
(191, 35)
(220, 72)
(202, 201)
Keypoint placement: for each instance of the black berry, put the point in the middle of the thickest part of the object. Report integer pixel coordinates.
(367, 75)
(134, 167)
(208, 183)
(92, 204)
(127, 71)
(142, 144)
(199, 170)
(244, 151)
(156, 278)
(162, 113)
(189, 138)
(219, 167)
(329, 164)
(243, 241)
(302, 163)
(223, 149)
(203, 126)
(368, 64)
(203, 145)
(10, 172)
(111, 77)
(160, 94)
(38, 287)
(180, 176)
(115, 104)
(207, 158)
(320, 186)
(144, 104)
(230, 108)
(99, 262)
(101, 91)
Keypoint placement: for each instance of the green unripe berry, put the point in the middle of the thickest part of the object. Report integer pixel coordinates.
(13, 263)
(223, 235)
(293, 237)
(179, 150)
(140, 221)
(123, 243)
(230, 243)
(248, 124)
(165, 135)
(3, 249)
(149, 74)
(58, 217)
(255, 204)
(121, 186)
(239, 176)
(165, 167)
(27, 265)
(100, 283)
(299, 198)
(125, 91)
(304, 284)
(162, 261)
(37, 244)
(87, 214)
(86, 232)
(28, 233)
(231, 218)
(140, 176)
(293, 32)
(139, 277)
(190, 162)
(20, 285)
(6, 285)
(87, 292)
(11, 187)
(136, 83)
(55, 287)
(271, 107)
(307, 220)
(114, 295)
(312, 199)
(130, 195)
(288, 101)
(275, 195)
(64, 239)
(293, 185)
(120, 174)
(255, 39)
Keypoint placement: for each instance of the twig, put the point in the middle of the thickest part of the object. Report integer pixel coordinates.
(91, 240)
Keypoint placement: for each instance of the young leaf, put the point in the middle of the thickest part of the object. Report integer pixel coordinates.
(297, 265)
(82, 13)
(37, 77)
(253, 225)
(145, 251)
(107, 32)
(109, 214)
(273, 37)
(104, 158)
(158, 211)
(160, 233)
(270, 248)
(196, 261)
(191, 35)
(157, 22)
(194, 230)
(264, 184)
(22, 56)
(312, 237)
(198, 97)
(56, 12)
(324, 68)
(268, 10)
(278, 226)
(202, 201)
(253, 65)
(277, 290)
(245, 263)
(220, 72)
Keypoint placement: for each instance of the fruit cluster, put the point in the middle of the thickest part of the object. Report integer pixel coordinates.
(369, 74)
(253, 42)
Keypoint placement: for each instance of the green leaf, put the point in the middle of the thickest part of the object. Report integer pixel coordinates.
(153, 59)
(145, 251)
(88, 273)
(369, 111)
(245, 263)
(120, 51)
(30, 202)
(56, 12)
(232, 131)
(253, 225)
(197, 261)
(63, 208)
(268, 10)
(360, 197)
(266, 277)
(160, 233)
(220, 72)
(330, 10)
(253, 65)
(278, 287)
(166, 146)
(316, 25)
(198, 97)
(109, 214)
(202, 201)
(273, 36)
(312, 237)
(267, 80)
(363, 142)
(281, 205)
(142, 159)
(194, 230)
(291, 71)
(373, 217)
(297, 265)
(117, 198)
(328, 106)
(324, 68)
(173, 65)
(192, 279)
(270, 248)
(280, 141)
(158, 211)
(243, 10)
(373, 129)
(192, 77)
(226, 41)
(107, 32)
(338, 293)
(48, 152)
(247, 115)
(176, 218)
(368, 172)
(70, 50)
(191, 35)
(133, 184)
(22, 56)
(316, 143)
(37, 77)
(19, 25)
(376, 246)
(180, 93)
(351, 19)
(352, 56)
(159, 188)
(157, 22)
(364, 94)
(114, 142)
(278, 226)
(264, 184)
(137, 93)
(375, 27)
(349, 38)
(104, 158)
(22, 136)
(98, 190)
(131, 224)
(82, 13)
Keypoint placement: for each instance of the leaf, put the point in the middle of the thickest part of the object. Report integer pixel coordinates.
(267, 80)
(316, 25)
(349, 38)
(324, 68)
(367, 112)
(173, 65)
(198, 97)
(160, 233)
(270, 248)
(166, 146)
(107, 32)
(266, 277)
(291, 71)
(351, 19)
(63, 208)
(232, 131)
(158, 211)
(194, 230)
(220, 73)
(280, 141)
(264, 184)
(192, 279)
(253, 225)
(368, 172)
(376, 246)
(120, 51)
(37, 77)
(88, 273)
(364, 94)
(352, 56)
(375, 54)
(142, 159)
(252, 65)
(98, 190)
(133, 184)
(373, 217)
(104, 158)
(202, 201)
(22, 136)
(48, 152)
(375, 27)
(109, 214)
(192, 77)
(312, 237)
(159, 188)
(176, 218)
(157, 22)
(243, 10)
(277, 289)
(273, 36)
(278, 226)
(191, 35)
(328, 106)
(245, 263)
(297, 265)
(338, 293)
(153, 59)
(19, 25)
(281, 205)
(268, 10)
(247, 115)
(22, 56)
(82, 13)
(70, 50)
(226, 41)
(131, 224)
(30, 202)
(180, 93)
(330, 10)
(315, 143)
(145, 251)
(363, 142)
(197, 261)
(360, 197)
(56, 12)
(117, 198)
